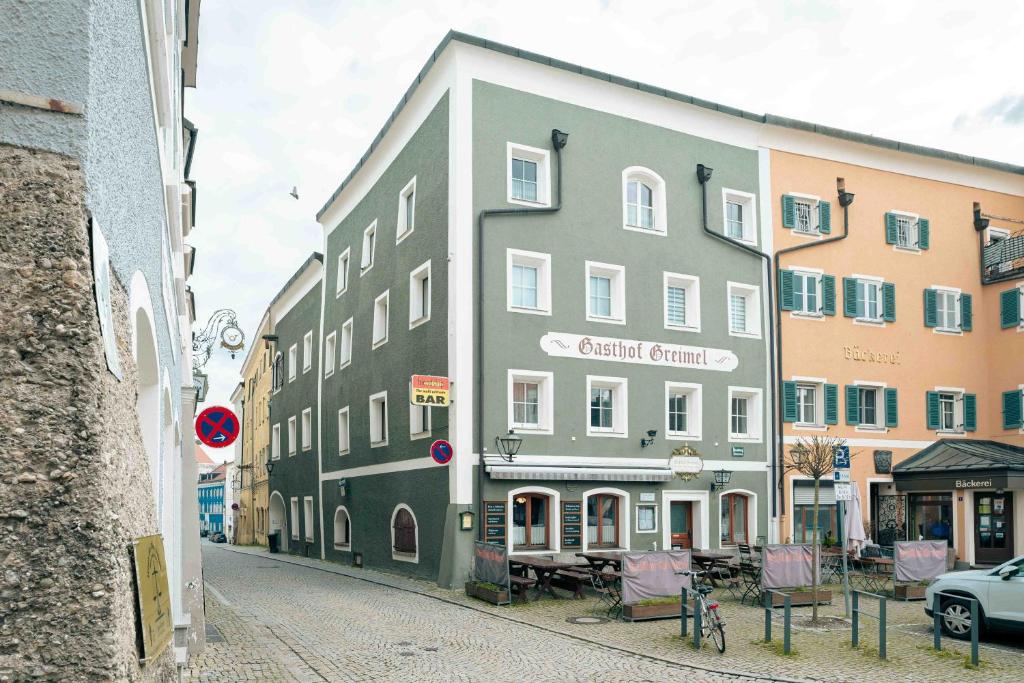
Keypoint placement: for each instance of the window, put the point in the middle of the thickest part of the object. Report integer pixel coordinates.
(419, 421)
(307, 429)
(947, 412)
(307, 504)
(744, 310)
(346, 345)
(380, 319)
(646, 519)
(293, 361)
(803, 511)
(869, 299)
(307, 351)
(806, 215)
(275, 442)
(291, 435)
(867, 401)
(682, 302)
(740, 216)
(947, 308)
(531, 403)
(906, 230)
(528, 175)
(733, 526)
(682, 410)
(277, 376)
(528, 282)
(330, 350)
(871, 406)
(745, 414)
(806, 293)
(419, 295)
(606, 410)
(404, 535)
(343, 431)
(369, 244)
(295, 518)
(951, 410)
(406, 211)
(379, 419)
(342, 530)
(341, 286)
(1011, 308)
(807, 404)
(606, 292)
(643, 201)
(531, 521)
(603, 521)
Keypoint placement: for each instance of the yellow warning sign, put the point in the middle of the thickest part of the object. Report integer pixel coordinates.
(154, 595)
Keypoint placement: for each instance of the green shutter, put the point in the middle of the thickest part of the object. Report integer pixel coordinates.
(831, 404)
(966, 313)
(970, 412)
(888, 302)
(852, 405)
(786, 290)
(1012, 409)
(890, 228)
(922, 233)
(932, 410)
(788, 211)
(824, 217)
(892, 418)
(828, 294)
(1009, 308)
(789, 401)
(850, 297)
(931, 309)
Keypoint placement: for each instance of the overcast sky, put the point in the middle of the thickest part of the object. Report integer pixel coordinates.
(291, 94)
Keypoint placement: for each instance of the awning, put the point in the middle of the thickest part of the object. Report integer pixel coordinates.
(562, 468)
(962, 464)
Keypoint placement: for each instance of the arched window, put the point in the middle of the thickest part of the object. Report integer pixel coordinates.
(643, 200)
(404, 534)
(603, 519)
(735, 517)
(342, 529)
(531, 515)
(639, 204)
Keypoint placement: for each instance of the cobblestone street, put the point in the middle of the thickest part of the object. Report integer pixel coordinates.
(285, 618)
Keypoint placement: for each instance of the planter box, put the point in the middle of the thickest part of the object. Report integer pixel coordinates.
(801, 598)
(499, 597)
(910, 592)
(666, 611)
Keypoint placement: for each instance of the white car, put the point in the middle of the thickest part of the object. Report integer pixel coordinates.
(999, 592)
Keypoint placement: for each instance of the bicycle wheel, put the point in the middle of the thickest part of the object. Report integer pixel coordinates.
(717, 630)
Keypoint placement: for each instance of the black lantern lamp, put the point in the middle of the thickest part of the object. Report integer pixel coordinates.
(466, 520)
(270, 468)
(508, 445)
(649, 441)
(722, 478)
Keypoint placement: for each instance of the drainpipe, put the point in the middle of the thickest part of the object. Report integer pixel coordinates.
(845, 199)
(703, 176)
(558, 141)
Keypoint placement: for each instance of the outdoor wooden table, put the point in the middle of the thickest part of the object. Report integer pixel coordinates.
(601, 559)
(544, 569)
(705, 560)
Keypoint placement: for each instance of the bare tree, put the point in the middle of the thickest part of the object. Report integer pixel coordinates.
(813, 457)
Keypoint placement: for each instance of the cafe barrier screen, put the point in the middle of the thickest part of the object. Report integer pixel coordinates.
(786, 566)
(920, 560)
(653, 574)
(490, 563)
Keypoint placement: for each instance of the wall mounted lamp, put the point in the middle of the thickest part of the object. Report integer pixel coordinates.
(649, 441)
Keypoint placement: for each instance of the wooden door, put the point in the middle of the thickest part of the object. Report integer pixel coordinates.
(993, 527)
(681, 520)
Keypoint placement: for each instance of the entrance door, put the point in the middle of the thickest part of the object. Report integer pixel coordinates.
(681, 512)
(993, 527)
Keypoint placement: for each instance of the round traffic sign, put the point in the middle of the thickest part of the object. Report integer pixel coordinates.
(441, 451)
(217, 427)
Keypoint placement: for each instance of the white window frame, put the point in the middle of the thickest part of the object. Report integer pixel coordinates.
(658, 201)
(307, 517)
(375, 340)
(620, 406)
(416, 278)
(748, 201)
(292, 436)
(955, 292)
(914, 228)
(405, 557)
(542, 158)
(295, 518)
(818, 385)
(348, 518)
(345, 357)
(691, 285)
(1000, 234)
(751, 514)
(293, 362)
(624, 510)
(554, 520)
(816, 273)
(958, 394)
(307, 351)
(617, 275)
(414, 419)
(814, 202)
(375, 398)
(638, 530)
(531, 259)
(370, 229)
(864, 320)
(307, 429)
(879, 424)
(755, 414)
(330, 351)
(344, 435)
(344, 261)
(694, 411)
(408, 193)
(275, 443)
(546, 398)
(752, 293)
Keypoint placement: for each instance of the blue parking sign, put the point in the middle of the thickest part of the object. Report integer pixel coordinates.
(841, 458)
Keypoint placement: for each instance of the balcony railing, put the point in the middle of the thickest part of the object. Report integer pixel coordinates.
(1004, 259)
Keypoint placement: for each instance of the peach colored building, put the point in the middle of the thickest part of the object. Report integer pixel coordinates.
(892, 341)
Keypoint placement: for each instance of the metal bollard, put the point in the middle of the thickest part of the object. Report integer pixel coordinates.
(788, 617)
(975, 628)
(936, 624)
(767, 617)
(856, 618)
(881, 628)
(683, 616)
(698, 626)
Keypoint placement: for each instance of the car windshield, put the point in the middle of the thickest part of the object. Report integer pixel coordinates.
(1016, 562)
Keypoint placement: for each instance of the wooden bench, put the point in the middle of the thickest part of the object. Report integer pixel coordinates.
(520, 584)
(572, 579)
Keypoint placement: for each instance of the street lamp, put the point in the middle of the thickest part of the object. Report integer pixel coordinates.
(508, 445)
(722, 478)
(649, 441)
(270, 468)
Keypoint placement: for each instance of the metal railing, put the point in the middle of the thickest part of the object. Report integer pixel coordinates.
(698, 625)
(937, 623)
(787, 618)
(857, 612)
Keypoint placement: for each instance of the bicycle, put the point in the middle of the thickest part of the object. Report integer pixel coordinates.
(712, 624)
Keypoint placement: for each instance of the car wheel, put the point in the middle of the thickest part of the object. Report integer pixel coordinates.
(956, 618)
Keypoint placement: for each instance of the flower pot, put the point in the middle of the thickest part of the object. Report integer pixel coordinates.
(638, 612)
(801, 597)
(910, 592)
(495, 597)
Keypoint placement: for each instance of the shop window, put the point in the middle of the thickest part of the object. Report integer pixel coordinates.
(404, 535)
(603, 520)
(531, 521)
(931, 517)
(735, 508)
(803, 512)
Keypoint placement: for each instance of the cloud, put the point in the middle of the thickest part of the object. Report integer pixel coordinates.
(1006, 111)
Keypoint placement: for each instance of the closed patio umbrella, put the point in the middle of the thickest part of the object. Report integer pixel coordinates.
(854, 522)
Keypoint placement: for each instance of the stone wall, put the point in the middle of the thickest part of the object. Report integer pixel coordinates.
(74, 482)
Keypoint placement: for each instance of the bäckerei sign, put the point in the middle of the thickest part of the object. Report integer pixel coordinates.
(633, 351)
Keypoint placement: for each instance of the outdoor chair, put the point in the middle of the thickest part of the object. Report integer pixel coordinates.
(610, 595)
(745, 554)
(750, 580)
(729, 575)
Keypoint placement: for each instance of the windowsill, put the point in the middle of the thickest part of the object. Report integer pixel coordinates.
(419, 321)
(379, 343)
(398, 240)
(419, 435)
(344, 365)
(948, 331)
(683, 328)
(405, 557)
(802, 315)
(611, 321)
(808, 235)
(306, 369)
(291, 378)
(907, 250)
(275, 457)
(869, 321)
(532, 429)
(307, 448)
(378, 444)
(810, 427)
(614, 435)
(344, 452)
(347, 547)
(745, 335)
(660, 232)
(529, 311)
(741, 240)
(871, 428)
(682, 436)
(291, 454)
(328, 374)
(527, 202)
(364, 271)
(533, 551)
(744, 438)
(950, 432)
(338, 294)
(308, 539)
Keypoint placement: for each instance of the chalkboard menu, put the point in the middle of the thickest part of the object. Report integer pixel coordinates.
(495, 517)
(572, 524)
